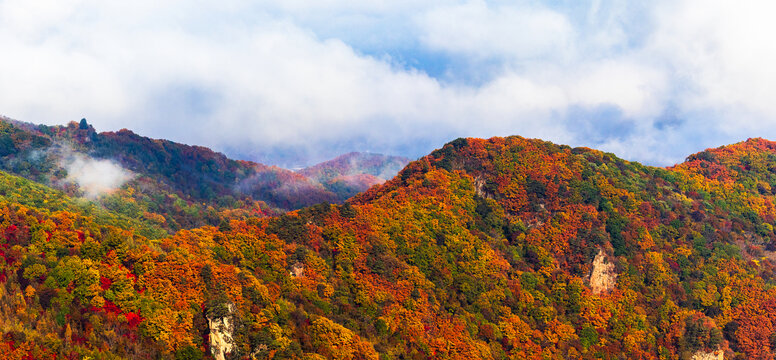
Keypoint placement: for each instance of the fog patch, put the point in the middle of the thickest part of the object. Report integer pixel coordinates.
(94, 176)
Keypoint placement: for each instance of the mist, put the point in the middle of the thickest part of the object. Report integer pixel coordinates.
(94, 177)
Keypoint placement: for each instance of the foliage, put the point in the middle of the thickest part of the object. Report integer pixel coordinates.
(483, 249)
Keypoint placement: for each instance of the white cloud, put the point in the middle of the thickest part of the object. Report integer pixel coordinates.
(724, 51)
(475, 29)
(256, 77)
(636, 88)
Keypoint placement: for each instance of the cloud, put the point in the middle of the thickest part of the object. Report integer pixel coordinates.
(294, 82)
(724, 50)
(94, 177)
(477, 30)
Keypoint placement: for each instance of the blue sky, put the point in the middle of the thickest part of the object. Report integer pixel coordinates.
(293, 82)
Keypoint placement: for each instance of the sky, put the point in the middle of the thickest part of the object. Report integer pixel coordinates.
(293, 82)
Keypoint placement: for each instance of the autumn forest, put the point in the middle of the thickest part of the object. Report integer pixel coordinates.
(501, 248)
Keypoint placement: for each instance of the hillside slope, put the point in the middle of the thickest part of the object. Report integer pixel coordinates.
(488, 249)
(204, 175)
(185, 186)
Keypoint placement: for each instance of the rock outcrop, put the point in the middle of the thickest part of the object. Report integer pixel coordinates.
(714, 355)
(603, 277)
(221, 332)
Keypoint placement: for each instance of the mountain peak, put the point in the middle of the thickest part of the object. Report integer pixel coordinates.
(354, 172)
(353, 163)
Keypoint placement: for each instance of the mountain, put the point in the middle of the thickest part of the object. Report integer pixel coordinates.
(352, 173)
(484, 249)
(179, 185)
(202, 174)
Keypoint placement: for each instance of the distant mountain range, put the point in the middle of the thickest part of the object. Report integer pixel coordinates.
(188, 185)
(354, 172)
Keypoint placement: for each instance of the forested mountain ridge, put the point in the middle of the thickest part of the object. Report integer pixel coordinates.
(487, 249)
(178, 185)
